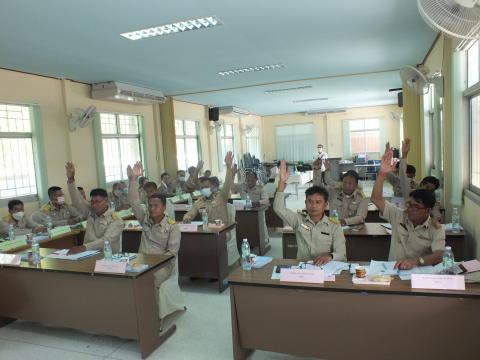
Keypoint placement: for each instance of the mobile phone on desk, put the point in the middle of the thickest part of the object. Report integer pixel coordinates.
(280, 267)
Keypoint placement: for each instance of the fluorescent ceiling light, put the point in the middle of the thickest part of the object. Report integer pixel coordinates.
(272, 91)
(180, 26)
(250, 69)
(309, 100)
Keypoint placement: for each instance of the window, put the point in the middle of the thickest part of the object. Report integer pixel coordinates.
(17, 158)
(364, 136)
(226, 143)
(295, 142)
(121, 143)
(252, 140)
(188, 143)
(473, 64)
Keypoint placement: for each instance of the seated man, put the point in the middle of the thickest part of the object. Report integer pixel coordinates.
(207, 173)
(181, 181)
(318, 238)
(345, 197)
(417, 239)
(149, 188)
(16, 217)
(102, 222)
(407, 185)
(250, 187)
(193, 181)
(394, 180)
(118, 196)
(59, 212)
(142, 180)
(165, 188)
(160, 235)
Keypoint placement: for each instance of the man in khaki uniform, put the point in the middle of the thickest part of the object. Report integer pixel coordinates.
(60, 212)
(166, 187)
(345, 197)
(180, 181)
(256, 192)
(102, 221)
(160, 235)
(417, 239)
(16, 217)
(318, 238)
(394, 179)
(119, 197)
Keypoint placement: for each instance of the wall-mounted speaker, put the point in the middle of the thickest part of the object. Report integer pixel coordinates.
(213, 114)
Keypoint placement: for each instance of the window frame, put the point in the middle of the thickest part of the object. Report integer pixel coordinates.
(184, 137)
(99, 136)
(257, 138)
(222, 151)
(348, 137)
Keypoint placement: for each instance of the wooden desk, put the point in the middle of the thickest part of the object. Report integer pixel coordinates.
(69, 294)
(251, 225)
(371, 241)
(64, 241)
(339, 320)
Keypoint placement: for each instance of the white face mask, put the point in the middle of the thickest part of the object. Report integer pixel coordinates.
(181, 178)
(207, 192)
(61, 200)
(117, 192)
(18, 215)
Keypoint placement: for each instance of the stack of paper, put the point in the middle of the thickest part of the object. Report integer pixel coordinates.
(62, 255)
(261, 261)
(382, 267)
(372, 280)
(407, 274)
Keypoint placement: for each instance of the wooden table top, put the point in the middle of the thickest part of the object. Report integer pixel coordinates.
(343, 282)
(87, 265)
(212, 230)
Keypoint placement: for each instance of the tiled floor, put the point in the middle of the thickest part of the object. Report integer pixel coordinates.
(203, 331)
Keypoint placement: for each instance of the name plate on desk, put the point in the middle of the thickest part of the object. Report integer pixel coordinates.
(10, 259)
(312, 276)
(239, 204)
(113, 267)
(438, 282)
(60, 230)
(188, 227)
(124, 213)
(180, 207)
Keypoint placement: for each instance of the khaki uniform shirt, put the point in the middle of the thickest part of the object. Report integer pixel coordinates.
(215, 205)
(352, 208)
(394, 180)
(256, 193)
(313, 240)
(107, 226)
(59, 215)
(409, 241)
(161, 238)
(120, 201)
(165, 190)
(22, 227)
(182, 184)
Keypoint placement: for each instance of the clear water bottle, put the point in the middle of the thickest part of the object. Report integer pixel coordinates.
(334, 217)
(49, 225)
(248, 202)
(205, 219)
(36, 258)
(246, 265)
(107, 250)
(112, 205)
(11, 232)
(448, 260)
(178, 190)
(190, 200)
(455, 220)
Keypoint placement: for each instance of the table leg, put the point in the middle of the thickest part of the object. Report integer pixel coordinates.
(239, 353)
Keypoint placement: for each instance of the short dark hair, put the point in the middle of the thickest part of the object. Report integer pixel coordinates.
(411, 169)
(150, 184)
(162, 198)
(351, 173)
(424, 196)
(79, 188)
(431, 180)
(141, 180)
(251, 173)
(180, 171)
(214, 181)
(203, 179)
(13, 203)
(99, 192)
(163, 175)
(51, 190)
(317, 190)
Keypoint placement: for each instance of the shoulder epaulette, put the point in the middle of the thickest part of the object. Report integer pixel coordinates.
(171, 221)
(7, 218)
(45, 208)
(333, 220)
(115, 216)
(436, 224)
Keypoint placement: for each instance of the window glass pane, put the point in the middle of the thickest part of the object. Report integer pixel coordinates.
(191, 152)
(181, 157)
(108, 123)
(179, 127)
(15, 118)
(111, 160)
(295, 142)
(17, 170)
(372, 141)
(190, 128)
(472, 64)
(474, 142)
(228, 130)
(372, 124)
(356, 125)
(357, 142)
(129, 154)
(128, 124)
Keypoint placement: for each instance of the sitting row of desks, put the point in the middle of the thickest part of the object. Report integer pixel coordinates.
(369, 241)
(340, 320)
(70, 294)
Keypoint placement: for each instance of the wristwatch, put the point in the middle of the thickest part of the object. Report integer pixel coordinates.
(421, 260)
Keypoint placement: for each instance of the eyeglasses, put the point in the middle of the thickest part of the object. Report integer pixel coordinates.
(409, 205)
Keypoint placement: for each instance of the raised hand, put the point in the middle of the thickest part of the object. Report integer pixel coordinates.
(200, 165)
(317, 164)
(283, 174)
(235, 169)
(405, 147)
(388, 164)
(229, 159)
(137, 170)
(70, 170)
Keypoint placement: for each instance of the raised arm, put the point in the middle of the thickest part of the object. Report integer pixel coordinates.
(386, 167)
(77, 200)
(279, 207)
(317, 173)
(405, 184)
(133, 194)
(227, 184)
(192, 181)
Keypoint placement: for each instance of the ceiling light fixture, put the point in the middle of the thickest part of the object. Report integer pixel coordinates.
(250, 69)
(167, 29)
(309, 100)
(272, 91)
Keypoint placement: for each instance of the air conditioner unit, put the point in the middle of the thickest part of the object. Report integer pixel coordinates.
(116, 91)
(232, 111)
(324, 111)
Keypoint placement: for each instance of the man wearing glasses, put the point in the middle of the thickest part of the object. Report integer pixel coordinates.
(417, 239)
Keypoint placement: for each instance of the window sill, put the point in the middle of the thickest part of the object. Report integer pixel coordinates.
(469, 194)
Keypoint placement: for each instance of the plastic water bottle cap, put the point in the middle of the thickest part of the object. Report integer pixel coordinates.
(448, 248)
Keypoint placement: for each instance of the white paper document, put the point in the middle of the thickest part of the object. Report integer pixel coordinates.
(62, 255)
(382, 267)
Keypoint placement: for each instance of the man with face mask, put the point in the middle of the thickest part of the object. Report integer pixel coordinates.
(16, 217)
(180, 181)
(213, 200)
(345, 197)
(161, 235)
(60, 212)
(319, 239)
(102, 222)
(118, 196)
(417, 239)
(250, 187)
(322, 156)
